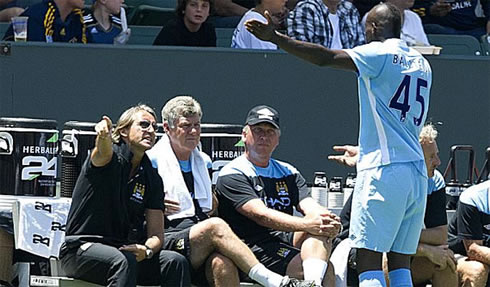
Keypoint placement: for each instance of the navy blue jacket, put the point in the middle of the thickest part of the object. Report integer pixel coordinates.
(45, 25)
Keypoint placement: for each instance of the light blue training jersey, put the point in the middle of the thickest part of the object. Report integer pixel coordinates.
(394, 88)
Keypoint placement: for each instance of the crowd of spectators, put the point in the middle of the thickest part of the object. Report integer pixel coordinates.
(331, 23)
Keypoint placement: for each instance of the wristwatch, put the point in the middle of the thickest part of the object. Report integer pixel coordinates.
(148, 252)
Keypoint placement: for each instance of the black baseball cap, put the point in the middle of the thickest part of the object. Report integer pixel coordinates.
(261, 114)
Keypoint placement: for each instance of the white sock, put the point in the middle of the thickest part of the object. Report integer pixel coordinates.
(264, 276)
(314, 269)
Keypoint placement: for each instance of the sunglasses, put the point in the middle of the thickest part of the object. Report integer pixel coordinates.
(146, 125)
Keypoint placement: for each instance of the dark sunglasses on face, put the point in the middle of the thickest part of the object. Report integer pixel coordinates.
(146, 125)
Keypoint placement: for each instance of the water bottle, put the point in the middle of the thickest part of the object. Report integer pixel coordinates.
(454, 188)
(350, 182)
(335, 194)
(453, 191)
(319, 191)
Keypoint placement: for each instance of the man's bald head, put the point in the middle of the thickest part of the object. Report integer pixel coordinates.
(383, 22)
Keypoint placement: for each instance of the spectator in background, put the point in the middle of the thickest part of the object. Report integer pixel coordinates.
(227, 13)
(363, 6)
(54, 21)
(243, 39)
(189, 27)
(412, 28)
(469, 235)
(102, 23)
(456, 17)
(334, 24)
(8, 10)
(433, 262)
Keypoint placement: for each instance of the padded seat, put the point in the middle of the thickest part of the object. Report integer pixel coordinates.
(456, 44)
(145, 15)
(143, 35)
(223, 37)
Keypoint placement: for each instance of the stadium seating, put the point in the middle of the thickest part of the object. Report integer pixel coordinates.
(156, 3)
(145, 15)
(143, 35)
(485, 45)
(456, 44)
(223, 37)
(3, 28)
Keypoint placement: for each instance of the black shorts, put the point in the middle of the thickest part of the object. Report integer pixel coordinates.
(275, 252)
(179, 242)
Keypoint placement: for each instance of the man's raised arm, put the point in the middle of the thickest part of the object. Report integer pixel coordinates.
(313, 53)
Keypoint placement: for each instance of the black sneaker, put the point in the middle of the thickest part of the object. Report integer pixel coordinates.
(293, 282)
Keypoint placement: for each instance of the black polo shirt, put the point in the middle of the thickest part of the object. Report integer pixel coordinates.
(108, 206)
(472, 218)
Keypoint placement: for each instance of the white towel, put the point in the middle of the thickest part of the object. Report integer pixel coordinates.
(40, 224)
(163, 158)
(339, 259)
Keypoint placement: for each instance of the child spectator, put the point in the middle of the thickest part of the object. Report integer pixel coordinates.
(102, 23)
(189, 28)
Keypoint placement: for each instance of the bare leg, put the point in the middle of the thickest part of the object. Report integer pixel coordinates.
(369, 267)
(423, 270)
(368, 260)
(318, 247)
(214, 235)
(398, 260)
(472, 273)
(221, 271)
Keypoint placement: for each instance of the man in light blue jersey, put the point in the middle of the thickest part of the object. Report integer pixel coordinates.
(391, 188)
(433, 262)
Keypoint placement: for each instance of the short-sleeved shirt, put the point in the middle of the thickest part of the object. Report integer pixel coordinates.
(108, 206)
(435, 211)
(97, 34)
(472, 218)
(45, 24)
(280, 186)
(175, 33)
(394, 84)
(180, 224)
(243, 39)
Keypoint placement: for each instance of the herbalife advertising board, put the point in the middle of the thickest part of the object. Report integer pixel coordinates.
(28, 156)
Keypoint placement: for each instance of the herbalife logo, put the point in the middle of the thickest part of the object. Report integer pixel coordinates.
(240, 143)
(36, 164)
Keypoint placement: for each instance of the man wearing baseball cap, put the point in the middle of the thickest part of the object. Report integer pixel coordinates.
(257, 195)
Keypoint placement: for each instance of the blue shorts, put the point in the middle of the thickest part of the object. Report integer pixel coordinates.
(388, 207)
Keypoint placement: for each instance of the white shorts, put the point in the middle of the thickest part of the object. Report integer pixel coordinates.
(388, 208)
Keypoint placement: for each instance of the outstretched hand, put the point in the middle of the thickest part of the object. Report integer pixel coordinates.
(350, 156)
(263, 31)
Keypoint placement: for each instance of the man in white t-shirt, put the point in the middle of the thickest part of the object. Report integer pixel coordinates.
(242, 39)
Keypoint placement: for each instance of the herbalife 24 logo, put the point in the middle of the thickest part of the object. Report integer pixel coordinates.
(35, 166)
